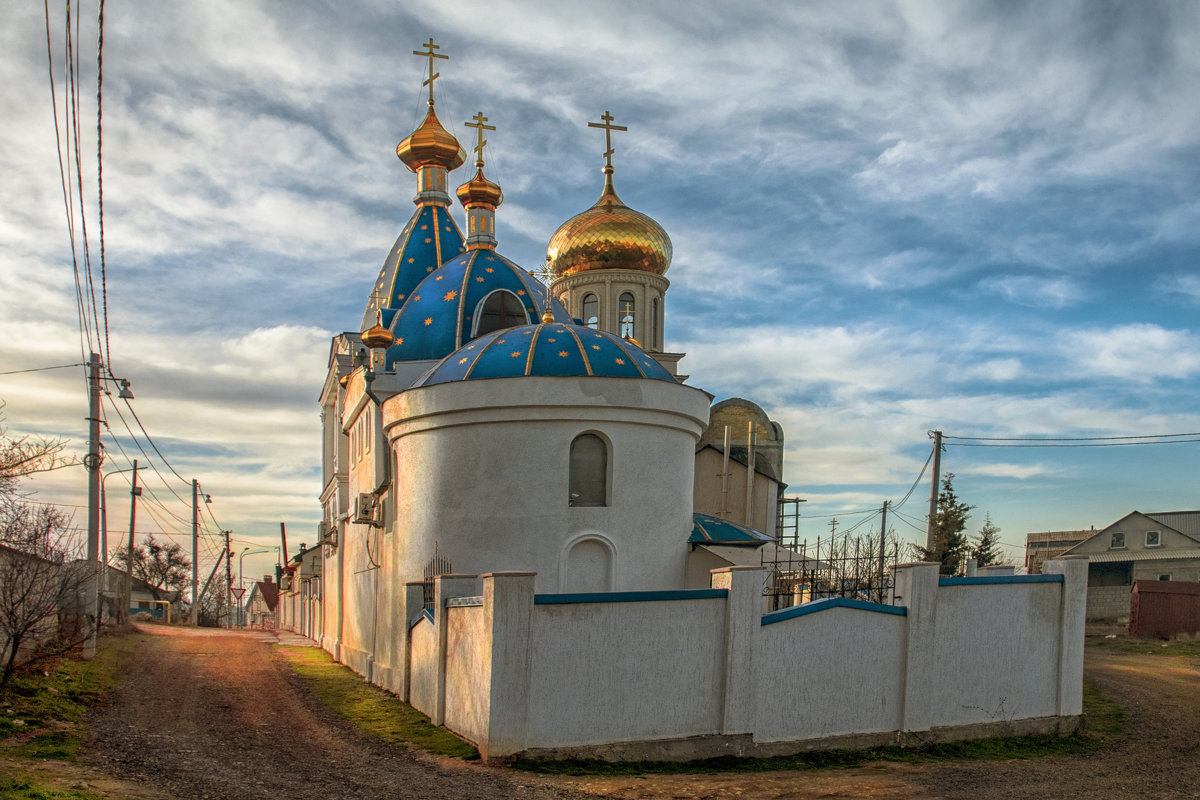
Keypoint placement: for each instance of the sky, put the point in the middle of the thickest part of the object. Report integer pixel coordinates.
(887, 218)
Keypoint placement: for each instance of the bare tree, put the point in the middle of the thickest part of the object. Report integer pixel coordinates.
(40, 587)
(165, 567)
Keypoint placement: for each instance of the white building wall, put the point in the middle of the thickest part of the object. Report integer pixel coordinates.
(423, 681)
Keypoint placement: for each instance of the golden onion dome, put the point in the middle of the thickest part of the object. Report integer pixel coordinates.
(609, 235)
(377, 337)
(431, 145)
(480, 191)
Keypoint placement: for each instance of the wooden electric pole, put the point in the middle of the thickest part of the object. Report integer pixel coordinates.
(933, 493)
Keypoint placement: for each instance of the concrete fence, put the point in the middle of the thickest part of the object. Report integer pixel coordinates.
(692, 674)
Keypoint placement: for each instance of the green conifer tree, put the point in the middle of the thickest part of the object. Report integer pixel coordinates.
(949, 521)
(987, 547)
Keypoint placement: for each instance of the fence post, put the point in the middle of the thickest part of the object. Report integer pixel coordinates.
(508, 611)
(743, 617)
(445, 587)
(1072, 616)
(916, 589)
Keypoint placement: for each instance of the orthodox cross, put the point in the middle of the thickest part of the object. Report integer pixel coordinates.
(480, 128)
(377, 298)
(433, 76)
(608, 129)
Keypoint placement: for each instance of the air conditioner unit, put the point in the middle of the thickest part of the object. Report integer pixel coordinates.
(364, 505)
(323, 531)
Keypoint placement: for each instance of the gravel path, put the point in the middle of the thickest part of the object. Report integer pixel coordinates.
(213, 714)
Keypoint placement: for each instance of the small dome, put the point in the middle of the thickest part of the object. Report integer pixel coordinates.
(378, 336)
(480, 191)
(439, 315)
(609, 235)
(554, 349)
(431, 145)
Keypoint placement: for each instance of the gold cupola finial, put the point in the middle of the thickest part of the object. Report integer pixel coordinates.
(610, 234)
(431, 151)
(480, 196)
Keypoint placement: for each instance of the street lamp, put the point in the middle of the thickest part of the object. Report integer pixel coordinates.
(246, 551)
(135, 492)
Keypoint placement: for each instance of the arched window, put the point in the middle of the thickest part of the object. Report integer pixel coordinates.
(591, 311)
(589, 471)
(500, 309)
(653, 343)
(625, 315)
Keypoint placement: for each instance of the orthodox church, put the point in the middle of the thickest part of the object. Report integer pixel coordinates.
(481, 420)
(530, 518)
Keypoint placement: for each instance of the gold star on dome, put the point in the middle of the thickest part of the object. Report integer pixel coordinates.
(499, 341)
(429, 321)
(411, 259)
(416, 298)
(595, 347)
(620, 361)
(521, 292)
(552, 340)
(450, 295)
(479, 279)
(427, 241)
(515, 354)
(399, 340)
(562, 353)
(425, 228)
(439, 277)
(489, 269)
(462, 360)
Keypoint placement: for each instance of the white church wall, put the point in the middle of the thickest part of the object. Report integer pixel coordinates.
(507, 444)
(695, 674)
(995, 630)
(832, 672)
(602, 662)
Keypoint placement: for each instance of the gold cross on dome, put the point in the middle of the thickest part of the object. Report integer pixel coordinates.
(377, 298)
(433, 76)
(608, 129)
(481, 142)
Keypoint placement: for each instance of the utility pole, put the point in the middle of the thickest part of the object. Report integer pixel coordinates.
(933, 489)
(134, 492)
(92, 461)
(228, 578)
(195, 552)
(882, 547)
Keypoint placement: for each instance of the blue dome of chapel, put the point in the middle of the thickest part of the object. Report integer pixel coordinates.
(430, 237)
(477, 290)
(549, 349)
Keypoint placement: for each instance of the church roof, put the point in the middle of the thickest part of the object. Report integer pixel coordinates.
(549, 349)
(714, 530)
(430, 237)
(437, 317)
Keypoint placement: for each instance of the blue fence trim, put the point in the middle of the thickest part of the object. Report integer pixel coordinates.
(987, 580)
(425, 614)
(828, 603)
(627, 597)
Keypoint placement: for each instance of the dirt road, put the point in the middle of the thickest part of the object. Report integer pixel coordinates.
(211, 714)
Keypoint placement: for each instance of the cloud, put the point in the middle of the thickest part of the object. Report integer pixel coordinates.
(1142, 352)
(1035, 291)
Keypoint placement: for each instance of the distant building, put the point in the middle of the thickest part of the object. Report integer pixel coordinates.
(1162, 546)
(261, 605)
(1040, 547)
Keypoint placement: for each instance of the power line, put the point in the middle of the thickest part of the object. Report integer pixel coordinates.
(1068, 438)
(42, 369)
(1066, 446)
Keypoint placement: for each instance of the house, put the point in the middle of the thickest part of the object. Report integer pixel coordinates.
(1163, 546)
(261, 605)
(299, 594)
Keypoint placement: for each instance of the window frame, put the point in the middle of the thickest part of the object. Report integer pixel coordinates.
(1157, 539)
(477, 318)
(605, 476)
(583, 306)
(1113, 539)
(621, 331)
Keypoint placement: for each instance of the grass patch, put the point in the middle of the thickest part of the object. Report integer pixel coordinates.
(42, 710)
(1147, 647)
(11, 789)
(371, 709)
(1103, 719)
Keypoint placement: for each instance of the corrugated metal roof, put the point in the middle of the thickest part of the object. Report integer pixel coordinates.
(1143, 555)
(1186, 522)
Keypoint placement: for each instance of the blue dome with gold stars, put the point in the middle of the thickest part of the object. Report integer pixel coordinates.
(548, 349)
(479, 290)
(429, 238)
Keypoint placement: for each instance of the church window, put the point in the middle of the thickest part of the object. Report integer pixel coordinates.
(591, 311)
(588, 471)
(500, 309)
(625, 307)
(368, 432)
